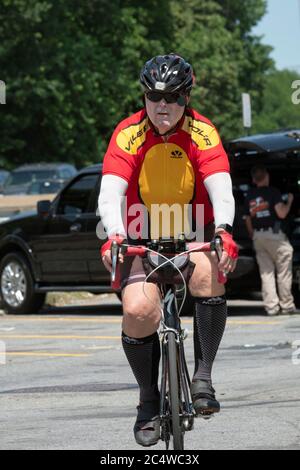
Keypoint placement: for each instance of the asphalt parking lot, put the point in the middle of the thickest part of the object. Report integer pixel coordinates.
(65, 382)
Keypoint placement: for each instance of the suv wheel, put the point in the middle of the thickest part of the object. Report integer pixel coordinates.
(17, 286)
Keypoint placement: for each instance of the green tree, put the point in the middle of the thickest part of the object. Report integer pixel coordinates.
(71, 71)
(71, 68)
(277, 109)
(242, 15)
(216, 37)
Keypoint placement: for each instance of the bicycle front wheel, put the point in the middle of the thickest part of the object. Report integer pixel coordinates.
(174, 393)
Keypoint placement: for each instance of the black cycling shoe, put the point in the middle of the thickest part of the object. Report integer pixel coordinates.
(147, 426)
(204, 399)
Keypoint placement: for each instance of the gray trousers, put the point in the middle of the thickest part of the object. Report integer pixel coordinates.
(274, 255)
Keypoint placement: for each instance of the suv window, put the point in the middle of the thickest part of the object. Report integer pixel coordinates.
(27, 176)
(65, 173)
(96, 195)
(75, 199)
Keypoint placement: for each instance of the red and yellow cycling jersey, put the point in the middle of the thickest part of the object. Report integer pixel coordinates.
(169, 172)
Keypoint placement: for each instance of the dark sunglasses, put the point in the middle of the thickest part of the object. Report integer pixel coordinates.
(168, 97)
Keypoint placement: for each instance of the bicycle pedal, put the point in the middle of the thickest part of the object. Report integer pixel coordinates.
(205, 415)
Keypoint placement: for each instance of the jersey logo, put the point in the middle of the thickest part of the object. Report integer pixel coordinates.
(203, 135)
(200, 132)
(176, 154)
(133, 137)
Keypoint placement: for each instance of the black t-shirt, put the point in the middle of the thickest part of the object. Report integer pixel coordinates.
(259, 204)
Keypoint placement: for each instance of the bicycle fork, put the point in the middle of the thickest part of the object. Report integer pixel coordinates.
(186, 413)
(185, 382)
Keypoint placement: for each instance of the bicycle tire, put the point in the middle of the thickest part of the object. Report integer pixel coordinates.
(177, 432)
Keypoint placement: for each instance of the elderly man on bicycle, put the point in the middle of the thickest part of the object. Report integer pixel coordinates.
(167, 153)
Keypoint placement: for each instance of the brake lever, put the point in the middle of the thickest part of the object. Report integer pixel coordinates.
(218, 246)
(114, 259)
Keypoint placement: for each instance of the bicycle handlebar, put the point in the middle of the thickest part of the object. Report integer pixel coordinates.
(140, 250)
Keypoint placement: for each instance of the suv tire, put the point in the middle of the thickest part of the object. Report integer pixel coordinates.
(17, 286)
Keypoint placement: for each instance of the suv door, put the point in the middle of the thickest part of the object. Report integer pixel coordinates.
(96, 237)
(61, 249)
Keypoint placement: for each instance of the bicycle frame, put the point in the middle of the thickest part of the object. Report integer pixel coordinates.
(170, 325)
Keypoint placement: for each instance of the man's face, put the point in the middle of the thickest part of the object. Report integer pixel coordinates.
(164, 116)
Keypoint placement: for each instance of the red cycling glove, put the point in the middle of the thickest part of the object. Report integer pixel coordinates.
(107, 245)
(229, 244)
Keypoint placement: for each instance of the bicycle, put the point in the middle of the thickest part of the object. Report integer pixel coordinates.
(176, 409)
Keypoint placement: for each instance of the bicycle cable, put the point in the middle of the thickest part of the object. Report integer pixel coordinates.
(168, 260)
(158, 267)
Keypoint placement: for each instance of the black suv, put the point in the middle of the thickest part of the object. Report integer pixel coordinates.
(56, 247)
(280, 153)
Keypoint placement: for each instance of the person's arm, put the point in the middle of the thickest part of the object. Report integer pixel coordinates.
(249, 226)
(213, 166)
(119, 163)
(219, 188)
(113, 188)
(283, 209)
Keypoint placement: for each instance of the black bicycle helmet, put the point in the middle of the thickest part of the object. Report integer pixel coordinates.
(167, 74)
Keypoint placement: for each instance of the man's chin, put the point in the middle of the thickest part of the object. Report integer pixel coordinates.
(164, 125)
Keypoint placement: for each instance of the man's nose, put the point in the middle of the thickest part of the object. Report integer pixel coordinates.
(163, 102)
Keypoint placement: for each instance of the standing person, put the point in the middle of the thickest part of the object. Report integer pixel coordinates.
(167, 153)
(264, 210)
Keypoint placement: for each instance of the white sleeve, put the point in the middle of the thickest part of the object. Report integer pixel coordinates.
(219, 188)
(112, 190)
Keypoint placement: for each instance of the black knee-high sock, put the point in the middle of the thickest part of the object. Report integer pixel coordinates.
(209, 324)
(143, 355)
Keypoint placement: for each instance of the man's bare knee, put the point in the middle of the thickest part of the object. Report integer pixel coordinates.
(139, 309)
(141, 313)
(139, 322)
